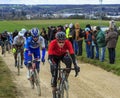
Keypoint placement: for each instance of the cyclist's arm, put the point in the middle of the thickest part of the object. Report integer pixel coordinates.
(73, 59)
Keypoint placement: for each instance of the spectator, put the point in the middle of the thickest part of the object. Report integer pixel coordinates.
(88, 41)
(45, 36)
(79, 38)
(95, 48)
(111, 40)
(100, 38)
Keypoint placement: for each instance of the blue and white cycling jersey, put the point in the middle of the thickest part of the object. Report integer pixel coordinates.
(30, 43)
(33, 47)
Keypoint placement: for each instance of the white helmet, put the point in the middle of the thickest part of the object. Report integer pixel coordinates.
(70, 25)
(23, 30)
(21, 33)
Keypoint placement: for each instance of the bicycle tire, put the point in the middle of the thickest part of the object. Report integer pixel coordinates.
(32, 83)
(66, 88)
(18, 62)
(61, 90)
(58, 95)
(37, 82)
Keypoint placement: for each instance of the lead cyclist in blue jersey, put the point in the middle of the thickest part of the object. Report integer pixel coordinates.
(33, 44)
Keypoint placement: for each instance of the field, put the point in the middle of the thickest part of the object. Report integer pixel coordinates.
(28, 24)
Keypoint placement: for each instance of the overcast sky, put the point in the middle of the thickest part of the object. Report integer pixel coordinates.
(59, 2)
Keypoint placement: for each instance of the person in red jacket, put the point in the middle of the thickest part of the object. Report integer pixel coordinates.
(60, 49)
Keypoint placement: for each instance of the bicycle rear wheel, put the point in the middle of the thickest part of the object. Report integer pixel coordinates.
(37, 82)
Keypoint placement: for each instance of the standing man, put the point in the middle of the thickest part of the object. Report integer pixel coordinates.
(111, 40)
(100, 38)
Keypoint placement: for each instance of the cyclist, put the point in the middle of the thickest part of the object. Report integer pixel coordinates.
(59, 50)
(4, 40)
(32, 47)
(18, 42)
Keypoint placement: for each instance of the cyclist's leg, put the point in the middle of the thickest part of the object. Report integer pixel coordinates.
(36, 54)
(54, 84)
(68, 62)
(54, 74)
(2, 46)
(29, 62)
(26, 58)
(15, 58)
(22, 57)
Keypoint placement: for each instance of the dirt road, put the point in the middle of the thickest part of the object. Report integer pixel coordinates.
(92, 82)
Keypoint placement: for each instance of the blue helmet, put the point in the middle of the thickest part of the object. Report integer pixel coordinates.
(35, 32)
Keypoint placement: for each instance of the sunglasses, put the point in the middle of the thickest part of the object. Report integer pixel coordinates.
(35, 36)
(61, 42)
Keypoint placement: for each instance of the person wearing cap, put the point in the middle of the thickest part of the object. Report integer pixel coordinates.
(18, 42)
(88, 41)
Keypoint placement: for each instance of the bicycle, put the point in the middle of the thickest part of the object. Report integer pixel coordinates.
(34, 76)
(62, 83)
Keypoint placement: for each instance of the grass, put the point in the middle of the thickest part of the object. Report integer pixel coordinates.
(28, 24)
(7, 87)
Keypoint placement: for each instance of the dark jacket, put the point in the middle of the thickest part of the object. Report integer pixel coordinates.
(100, 38)
(111, 39)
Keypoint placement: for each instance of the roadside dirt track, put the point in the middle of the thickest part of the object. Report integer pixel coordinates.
(92, 82)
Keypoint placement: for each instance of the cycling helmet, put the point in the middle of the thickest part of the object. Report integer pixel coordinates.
(23, 30)
(21, 33)
(35, 32)
(60, 35)
(87, 29)
(70, 25)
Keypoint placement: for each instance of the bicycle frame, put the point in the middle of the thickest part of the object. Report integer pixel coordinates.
(34, 77)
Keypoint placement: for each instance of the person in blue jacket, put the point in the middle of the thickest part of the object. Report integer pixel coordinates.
(32, 46)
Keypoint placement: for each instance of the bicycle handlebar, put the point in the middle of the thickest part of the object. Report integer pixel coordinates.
(65, 68)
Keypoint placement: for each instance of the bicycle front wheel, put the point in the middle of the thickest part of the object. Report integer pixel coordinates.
(37, 82)
(18, 62)
(64, 90)
(61, 90)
